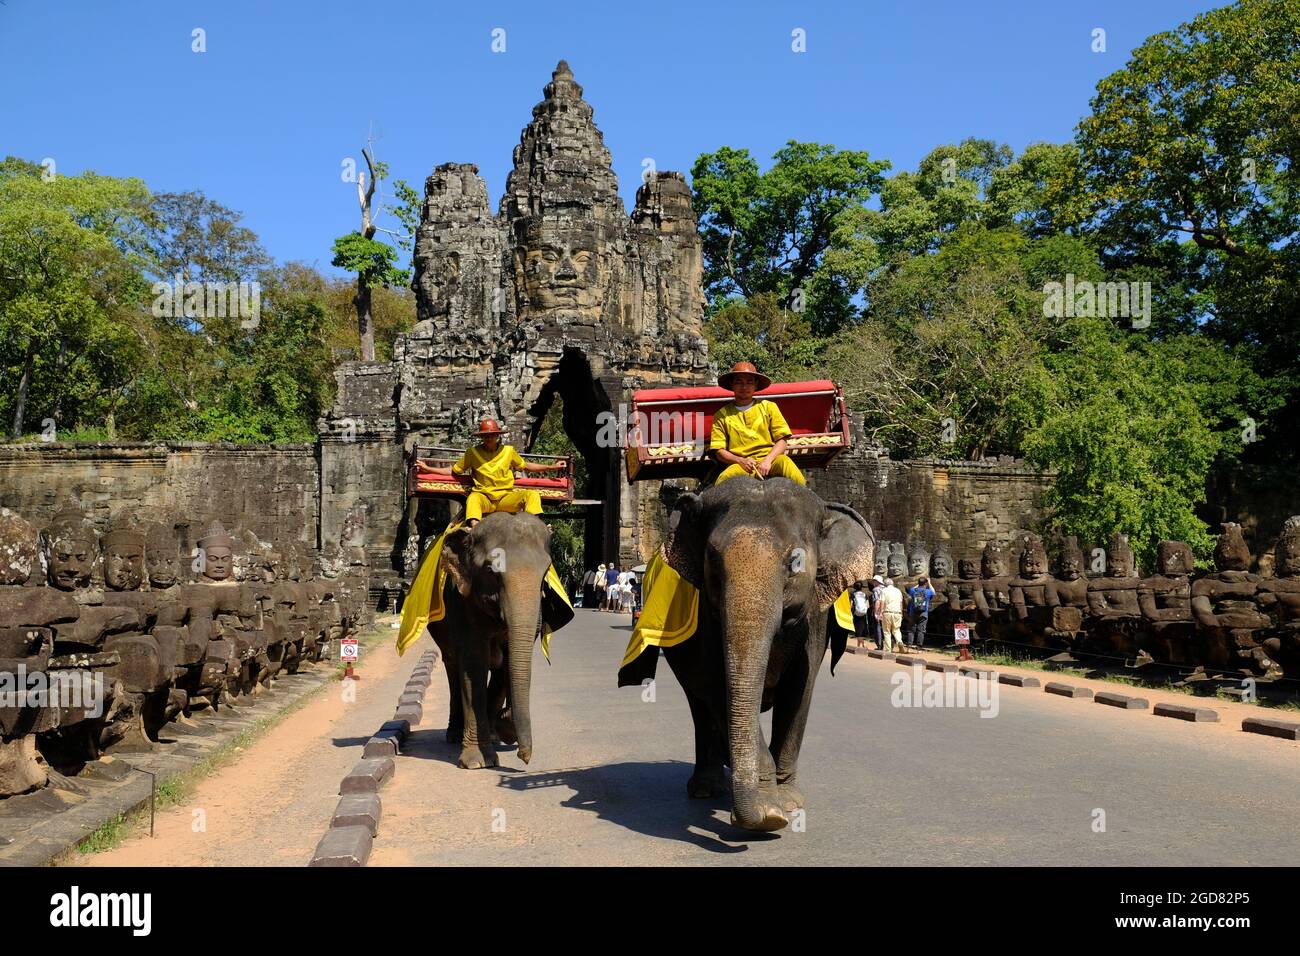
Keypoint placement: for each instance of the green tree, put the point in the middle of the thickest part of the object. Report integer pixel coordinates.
(1189, 155)
(70, 290)
(771, 231)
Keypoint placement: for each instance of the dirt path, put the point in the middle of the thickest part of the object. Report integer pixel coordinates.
(270, 806)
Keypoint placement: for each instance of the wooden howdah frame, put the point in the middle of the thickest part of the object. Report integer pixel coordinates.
(555, 490)
(680, 421)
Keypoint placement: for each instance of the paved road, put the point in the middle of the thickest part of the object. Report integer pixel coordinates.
(885, 785)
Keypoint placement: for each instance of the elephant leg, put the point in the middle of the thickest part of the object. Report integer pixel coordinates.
(503, 728)
(476, 743)
(455, 707)
(790, 709)
(709, 778)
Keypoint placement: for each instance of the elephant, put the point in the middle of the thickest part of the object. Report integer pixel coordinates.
(494, 603)
(769, 559)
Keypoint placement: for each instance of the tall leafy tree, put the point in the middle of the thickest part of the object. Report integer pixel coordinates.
(1190, 157)
(770, 232)
(70, 289)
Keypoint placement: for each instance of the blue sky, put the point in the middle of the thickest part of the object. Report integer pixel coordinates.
(285, 91)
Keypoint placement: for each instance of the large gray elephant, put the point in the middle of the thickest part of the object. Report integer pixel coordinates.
(769, 558)
(494, 603)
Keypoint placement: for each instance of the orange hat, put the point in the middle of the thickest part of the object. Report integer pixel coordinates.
(489, 426)
(744, 368)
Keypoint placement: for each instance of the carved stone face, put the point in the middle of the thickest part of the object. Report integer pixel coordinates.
(562, 268)
(880, 563)
(1121, 564)
(895, 565)
(941, 565)
(966, 569)
(1033, 563)
(162, 560)
(917, 564)
(994, 564)
(219, 563)
(123, 564)
(1071, 565)
(71, 556)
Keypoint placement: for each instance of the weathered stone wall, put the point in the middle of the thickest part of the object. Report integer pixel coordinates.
(273, 489)
(964, 503)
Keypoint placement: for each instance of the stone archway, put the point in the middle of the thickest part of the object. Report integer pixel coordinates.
(585, 406)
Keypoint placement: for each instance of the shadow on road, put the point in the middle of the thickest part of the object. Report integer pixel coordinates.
(647, 798)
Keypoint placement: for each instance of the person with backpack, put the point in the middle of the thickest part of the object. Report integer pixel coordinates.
(861, 603)
(877, 612)
(919, 596)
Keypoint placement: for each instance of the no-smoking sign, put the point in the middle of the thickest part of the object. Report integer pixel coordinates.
(348, 649)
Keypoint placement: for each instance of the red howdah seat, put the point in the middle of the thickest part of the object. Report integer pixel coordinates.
(557, 490)
(668, 434)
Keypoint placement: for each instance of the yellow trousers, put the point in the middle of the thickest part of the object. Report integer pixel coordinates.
(782, 467)
(480, 503)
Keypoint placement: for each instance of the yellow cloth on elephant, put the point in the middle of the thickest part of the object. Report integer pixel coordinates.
(670, 613)
(553, 583)
(424, 601)
(424, 604)
(844, 611)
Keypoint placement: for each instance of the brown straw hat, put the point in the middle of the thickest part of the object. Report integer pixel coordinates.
(744, 368)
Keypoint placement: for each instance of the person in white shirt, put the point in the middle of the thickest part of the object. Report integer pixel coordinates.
(625, 590)
(891, 616)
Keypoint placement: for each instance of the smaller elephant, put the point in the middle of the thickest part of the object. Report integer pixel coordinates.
(494, 602)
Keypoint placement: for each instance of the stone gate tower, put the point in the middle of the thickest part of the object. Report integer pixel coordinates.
(561, 292)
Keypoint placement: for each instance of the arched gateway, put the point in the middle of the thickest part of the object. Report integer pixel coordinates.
(559, 293)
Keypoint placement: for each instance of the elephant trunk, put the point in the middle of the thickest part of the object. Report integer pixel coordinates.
(751, 611)
(522, 607)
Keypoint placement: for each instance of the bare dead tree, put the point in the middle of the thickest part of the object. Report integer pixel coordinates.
(365, 195)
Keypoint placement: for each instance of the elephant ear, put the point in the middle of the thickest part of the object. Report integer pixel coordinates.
(456, 550)
(683, 548)
(848, 547)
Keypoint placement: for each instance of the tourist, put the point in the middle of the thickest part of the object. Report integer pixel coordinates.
(891, 618)
(877, 610)
(611, 587)
(588, 588)
(598, 587)
(861, 611)
(491, 466)
(919, 596)
(625, 590)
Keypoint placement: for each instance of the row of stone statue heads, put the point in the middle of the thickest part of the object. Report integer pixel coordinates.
(128, 630)
(1230, 619)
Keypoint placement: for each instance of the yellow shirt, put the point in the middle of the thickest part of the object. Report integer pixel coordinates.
(751, 433)
(494, 471)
